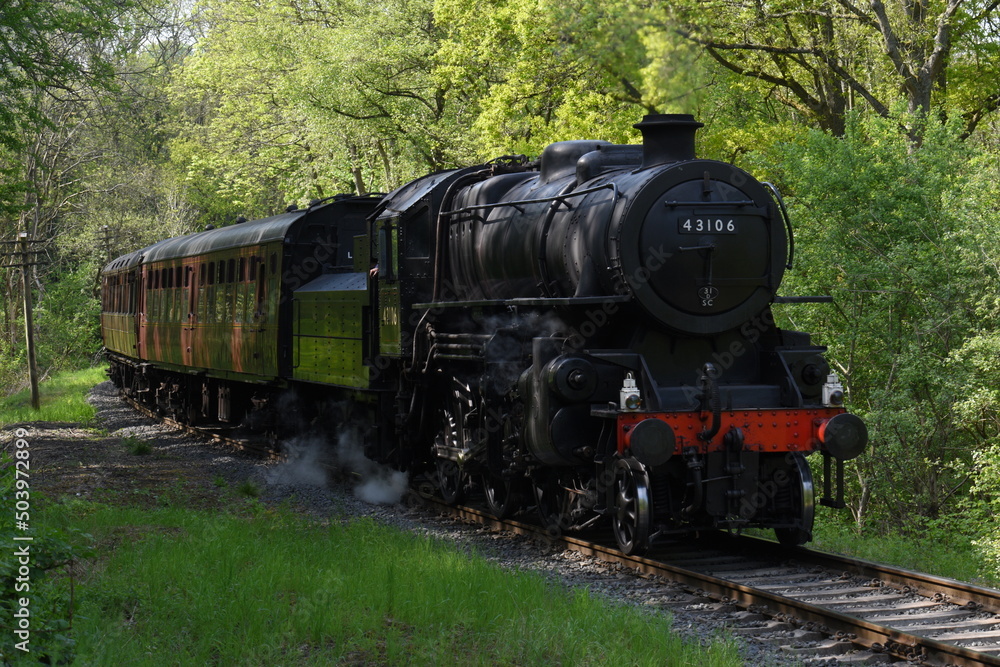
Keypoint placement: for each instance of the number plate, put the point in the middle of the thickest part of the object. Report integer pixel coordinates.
(708, 224)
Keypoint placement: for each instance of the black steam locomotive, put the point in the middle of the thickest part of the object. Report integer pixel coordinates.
(589, 334)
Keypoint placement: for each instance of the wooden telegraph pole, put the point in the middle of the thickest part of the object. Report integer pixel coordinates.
(29, 328)
(28, 258)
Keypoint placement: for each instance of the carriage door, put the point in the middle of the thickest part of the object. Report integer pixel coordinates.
(186, 314)
(263, 289)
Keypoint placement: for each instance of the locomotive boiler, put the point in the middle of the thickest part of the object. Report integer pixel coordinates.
(589, 334)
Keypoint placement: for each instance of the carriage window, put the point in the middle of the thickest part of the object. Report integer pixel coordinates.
(221, 278)
(156, 280)
(231, 277)
(274, 263)
(177, 277)
(187, 276)
(211, 273)
(253, 268)
(241, 275)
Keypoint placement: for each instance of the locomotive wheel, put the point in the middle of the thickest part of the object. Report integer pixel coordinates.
(802, 509)
(503, 495)
(552, 502)
(630, 517)
(452, 481)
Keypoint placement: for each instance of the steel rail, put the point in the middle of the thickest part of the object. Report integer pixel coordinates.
(869, 635)
(954, 591)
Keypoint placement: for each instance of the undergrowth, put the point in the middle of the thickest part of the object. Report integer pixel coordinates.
(62, 398)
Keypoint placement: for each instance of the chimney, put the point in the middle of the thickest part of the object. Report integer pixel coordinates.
(667, 137)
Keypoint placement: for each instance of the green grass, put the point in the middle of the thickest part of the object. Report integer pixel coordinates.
(938, 551)
(62, 398)
(136, 445)
(248, 489)
(204, 588)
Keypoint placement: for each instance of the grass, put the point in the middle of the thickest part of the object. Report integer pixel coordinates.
(951, 555)
(62, 398)
(136, 445)
(275, 588)
(248, 489)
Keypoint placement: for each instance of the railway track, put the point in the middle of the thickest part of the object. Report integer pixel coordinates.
(834, 603)
(228, 436)
(837, 604)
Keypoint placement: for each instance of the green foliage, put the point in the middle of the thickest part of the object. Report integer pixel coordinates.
(39, 573)
(827, 60)
(881, 226)
(954, 555)
(68, 319)
(538, 72)
(44, 48)
(278, 103)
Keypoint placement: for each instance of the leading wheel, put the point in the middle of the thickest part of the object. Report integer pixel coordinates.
(800, 505)
(631, 509)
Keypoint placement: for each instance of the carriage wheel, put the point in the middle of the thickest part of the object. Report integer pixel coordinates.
(452, 481)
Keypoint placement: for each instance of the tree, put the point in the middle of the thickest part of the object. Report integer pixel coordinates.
(83, 140)
(537, 71)
(46, 50)
(885, 229)
(292, 100)
(826, 58)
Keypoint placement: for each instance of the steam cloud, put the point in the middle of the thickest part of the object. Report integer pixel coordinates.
(303, 466)
(379, 484)
(309, 457)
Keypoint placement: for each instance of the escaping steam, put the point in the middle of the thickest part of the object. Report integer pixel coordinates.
(309, 458)
(303, 465)
(378, 484)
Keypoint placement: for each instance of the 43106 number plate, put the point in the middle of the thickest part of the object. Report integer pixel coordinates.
(708, 224)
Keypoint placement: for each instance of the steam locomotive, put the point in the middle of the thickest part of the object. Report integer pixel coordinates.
(589, 334)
